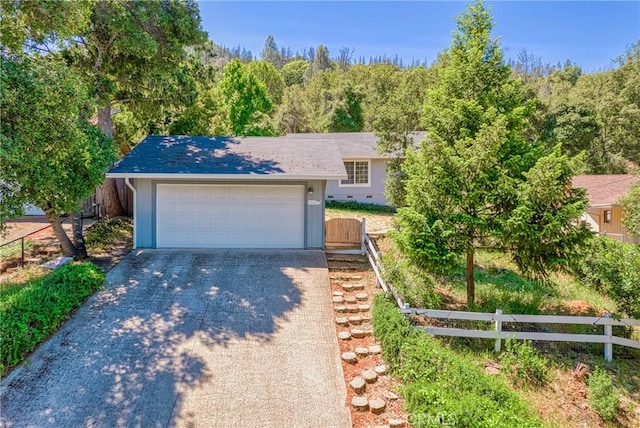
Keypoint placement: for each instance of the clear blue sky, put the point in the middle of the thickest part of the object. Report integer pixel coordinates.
(590, 33)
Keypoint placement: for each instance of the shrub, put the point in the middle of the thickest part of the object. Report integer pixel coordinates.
(105, 232)
(526, 366)
(603, 396)
(416, 288)
(360, 206)
(442, 387)
(613, 267)
(30, 313)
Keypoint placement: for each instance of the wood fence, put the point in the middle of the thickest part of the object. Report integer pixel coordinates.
(97, 200)
(344, 235)
(608, 339)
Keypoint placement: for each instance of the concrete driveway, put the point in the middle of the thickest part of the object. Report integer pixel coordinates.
(191, 338)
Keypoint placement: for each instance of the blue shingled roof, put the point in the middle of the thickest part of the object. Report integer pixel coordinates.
(270, 157)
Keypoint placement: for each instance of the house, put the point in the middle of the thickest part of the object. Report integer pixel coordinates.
(365, 167)
(223, 192)
(604, 215)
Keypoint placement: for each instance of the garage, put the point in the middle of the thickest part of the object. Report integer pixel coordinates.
(229, 216)
(229, 192)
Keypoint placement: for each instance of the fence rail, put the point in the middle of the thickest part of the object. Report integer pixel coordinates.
(608, 339)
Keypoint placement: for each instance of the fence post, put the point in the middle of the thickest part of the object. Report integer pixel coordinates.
(608, 346)
(498, 324)
(363, 234)
(22, 252)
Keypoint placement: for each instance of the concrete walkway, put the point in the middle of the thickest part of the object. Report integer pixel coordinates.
(191, 338)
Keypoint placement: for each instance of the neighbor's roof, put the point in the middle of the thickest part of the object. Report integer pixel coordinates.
(231, 157)
(354, 145)
(605, 190)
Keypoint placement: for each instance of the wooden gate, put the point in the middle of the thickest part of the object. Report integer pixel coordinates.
(344, 235)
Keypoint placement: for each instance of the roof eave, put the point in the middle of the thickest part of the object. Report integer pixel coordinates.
(181, 176)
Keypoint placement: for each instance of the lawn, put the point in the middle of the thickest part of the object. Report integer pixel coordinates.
(379, 218)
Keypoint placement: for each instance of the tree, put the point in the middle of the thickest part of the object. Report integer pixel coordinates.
(129, 51)
(476, 181)
(344, 58)
(321, 62)
(394, 121)
(270, 53)
(631, 210)
(244, 101)
(270, 78)
(51, 156)
(293, 72)
(291, 116)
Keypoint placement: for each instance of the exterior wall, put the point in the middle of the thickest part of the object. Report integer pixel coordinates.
(372, 194)
(145, 206)
(615, 229)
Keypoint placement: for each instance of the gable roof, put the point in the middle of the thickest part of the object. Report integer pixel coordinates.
(174, 156)
(605, 190)
(354, 145)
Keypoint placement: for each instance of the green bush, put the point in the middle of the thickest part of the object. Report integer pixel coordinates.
(360, 206)
(416, 288)
(30, 313)
(603, 396)
(441, 386)
(526, 365)
(613, 267)
(105, 232)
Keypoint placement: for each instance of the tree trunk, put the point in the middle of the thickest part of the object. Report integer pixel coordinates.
(471, 285)
(78, 236)
(110, 197)
(68, 248)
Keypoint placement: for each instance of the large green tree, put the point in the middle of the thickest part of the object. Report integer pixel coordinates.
(244, 101)
(51, 156)
(631, 210)
(476, 181)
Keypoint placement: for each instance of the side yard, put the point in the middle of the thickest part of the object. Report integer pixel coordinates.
(34, 301)
(464, 382)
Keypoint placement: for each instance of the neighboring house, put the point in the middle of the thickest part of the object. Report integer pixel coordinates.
(223, 192)
(365, 167)
(604, 215)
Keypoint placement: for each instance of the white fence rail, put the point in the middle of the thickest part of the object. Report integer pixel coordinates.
(498, 334)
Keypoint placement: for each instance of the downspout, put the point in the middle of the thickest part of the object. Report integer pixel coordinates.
(135, 213)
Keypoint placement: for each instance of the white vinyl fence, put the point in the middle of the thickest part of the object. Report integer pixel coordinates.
(498, 334)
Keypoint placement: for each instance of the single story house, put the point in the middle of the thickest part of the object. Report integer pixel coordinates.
(365, 167)
(604, 214)
(229, 192)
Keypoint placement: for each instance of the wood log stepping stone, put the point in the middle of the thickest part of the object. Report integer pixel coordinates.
(369, 376)
(347, 287)
(344, 335)
(364, 308)
(358, 286)
(366, 317)
(381, 369)
(342, 321)
(350, 299)
(338, 299)
(362, 296)
(346, 277)
(358, 385)
(377, 405)
(340, 308)
(352, 309)
(396, 423)
(357, 333)
(375, 349)
(361, 404)
(362, 352)
(349, 357)
(338, 293)
(368, 331)
(388, 395)
(355, 320)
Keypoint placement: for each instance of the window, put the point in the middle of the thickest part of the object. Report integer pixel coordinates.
(357, 174)
(607, 216)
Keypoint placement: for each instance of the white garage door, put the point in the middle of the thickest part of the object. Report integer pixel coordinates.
(229, 216)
